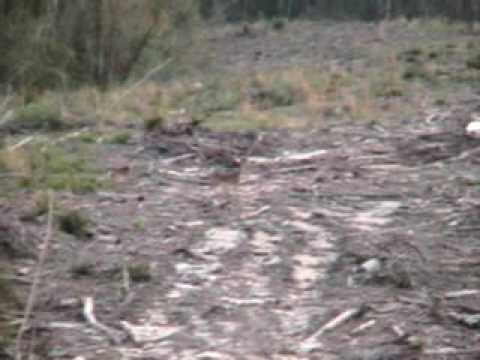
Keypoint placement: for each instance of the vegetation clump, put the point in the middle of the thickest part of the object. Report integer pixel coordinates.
(74, 222)
(217, 96)
(473, 62)
(88, 138)
(153, 123)
(120, 138)
(276, 92)
(83, 268)
(416, 72)
(44, 166)
(278, 24)
(39, 206)
(37, 117)
(140, 272)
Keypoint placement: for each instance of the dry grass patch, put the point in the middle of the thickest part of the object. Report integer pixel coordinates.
(249, 118)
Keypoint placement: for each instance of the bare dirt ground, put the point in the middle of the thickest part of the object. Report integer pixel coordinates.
(375, 228)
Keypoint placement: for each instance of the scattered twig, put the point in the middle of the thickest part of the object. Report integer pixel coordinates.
(296, 169)
(36, 279)
(125, 304)
(466, 154)
(461, 262)
(248, 302)
(294, 158)
(68, 136)
(89, 315)
(175, 159)
(359, 194)
(469, 320)
(399, 331)
(339, 320)
(312, 342)
(461, 293)
(20, 143)
(256, 212)
(192, 177)
(364, 326)
(451, 351)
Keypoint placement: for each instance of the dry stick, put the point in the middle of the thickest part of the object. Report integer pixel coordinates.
(36, 278)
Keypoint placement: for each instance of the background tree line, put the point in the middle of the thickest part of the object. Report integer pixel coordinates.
(63, 43)
(463, 10)
(51, 43)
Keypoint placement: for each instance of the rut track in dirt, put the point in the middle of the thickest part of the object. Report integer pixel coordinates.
(380, 225)
(256, 269)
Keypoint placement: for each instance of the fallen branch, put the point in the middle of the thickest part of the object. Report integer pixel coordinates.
(461, 293)
(296, 158)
